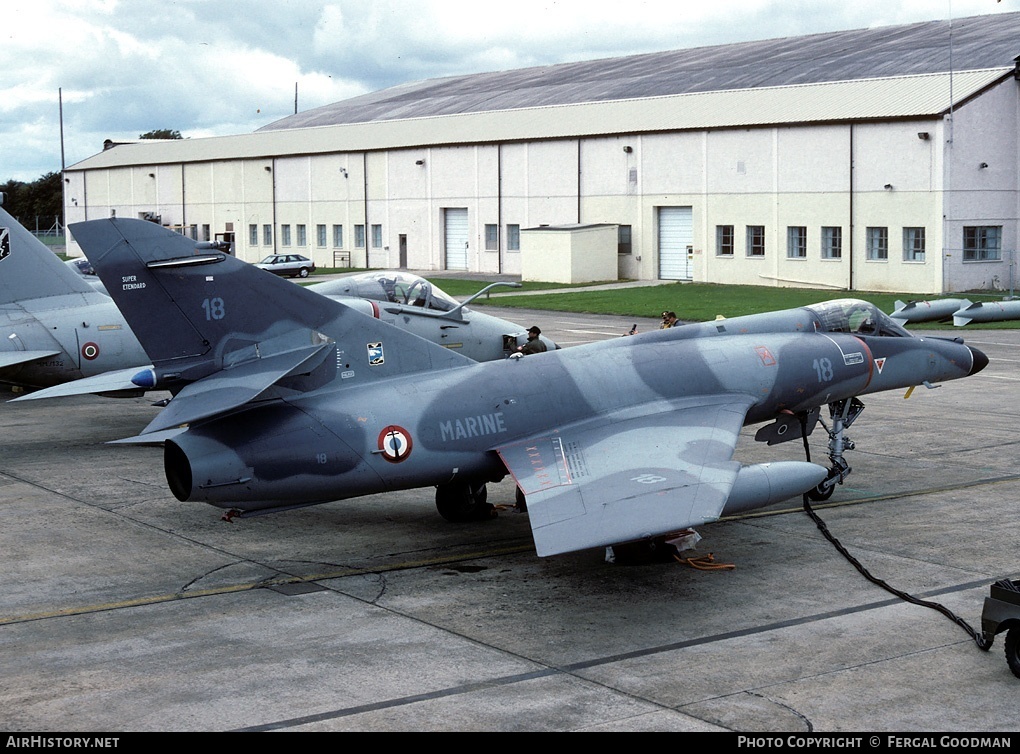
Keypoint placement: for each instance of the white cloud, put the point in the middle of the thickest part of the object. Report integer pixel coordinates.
(214, 67)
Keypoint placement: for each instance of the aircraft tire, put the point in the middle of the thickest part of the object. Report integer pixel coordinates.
(521, 500)
(1013, 650)
(461, 502)
(821, 493)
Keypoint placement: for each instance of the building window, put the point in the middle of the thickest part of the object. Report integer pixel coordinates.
(982, 243)
(206, 232)
(913, 244)
(513, 237)
(320, 236)
(338, 236)
(796, 242)
(376, 236)
(253, 235)
(624, 240)
(832, 243)
(724, 240)
(755, 240)
(267, 235)
(285, 235)
(877, 240)
(302, 236)
(359, 236)
(491, 237)
(193, 232)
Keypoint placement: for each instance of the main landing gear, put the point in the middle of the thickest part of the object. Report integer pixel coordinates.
(462, 501)
(843, 413)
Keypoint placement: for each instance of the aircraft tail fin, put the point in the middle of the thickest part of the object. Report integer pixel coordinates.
(204, 315)
(29, 270)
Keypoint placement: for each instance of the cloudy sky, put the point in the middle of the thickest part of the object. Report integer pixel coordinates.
(218, 67)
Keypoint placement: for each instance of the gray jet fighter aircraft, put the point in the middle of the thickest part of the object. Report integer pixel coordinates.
(58, 332)
(292, 400)
(54, 326)
(414, 304)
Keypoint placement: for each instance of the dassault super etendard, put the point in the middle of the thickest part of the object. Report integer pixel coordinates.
(290, 399)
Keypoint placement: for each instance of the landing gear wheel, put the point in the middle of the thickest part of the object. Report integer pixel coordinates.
(822, 492)
(522, 503)
(460, 502)
(1013, 650)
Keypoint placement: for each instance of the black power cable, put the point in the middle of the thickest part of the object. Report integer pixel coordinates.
(978, 638)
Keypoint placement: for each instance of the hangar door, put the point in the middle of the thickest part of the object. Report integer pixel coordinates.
(676, 237)
(455, 229)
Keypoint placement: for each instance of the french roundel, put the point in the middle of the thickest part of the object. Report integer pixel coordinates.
(90, 350)
(395, 443)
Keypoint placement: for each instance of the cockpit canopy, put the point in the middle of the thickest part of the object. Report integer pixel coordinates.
(856, 317)
(392, 287)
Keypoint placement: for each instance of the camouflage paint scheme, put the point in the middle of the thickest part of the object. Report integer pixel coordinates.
(298, 400)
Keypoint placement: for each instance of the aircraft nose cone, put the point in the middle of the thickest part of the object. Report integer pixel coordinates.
(980, 360)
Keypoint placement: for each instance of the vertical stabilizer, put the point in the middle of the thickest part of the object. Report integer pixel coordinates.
(29, 270)
(204, 311)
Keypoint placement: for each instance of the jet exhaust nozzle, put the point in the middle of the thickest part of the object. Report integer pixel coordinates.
(294, 464)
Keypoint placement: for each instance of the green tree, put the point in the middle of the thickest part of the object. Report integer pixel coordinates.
(39, 199)
(161, 133)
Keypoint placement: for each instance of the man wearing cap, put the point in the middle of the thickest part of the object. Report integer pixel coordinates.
(534, 344)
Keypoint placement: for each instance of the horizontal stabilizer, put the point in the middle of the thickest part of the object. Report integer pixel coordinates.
(152, 438)
(108, 382)
(231, 388)
(13, 358)
(628, 476)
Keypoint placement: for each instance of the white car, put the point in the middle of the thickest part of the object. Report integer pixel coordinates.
(291, 265)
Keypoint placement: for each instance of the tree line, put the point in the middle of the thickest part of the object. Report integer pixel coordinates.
(41, 198)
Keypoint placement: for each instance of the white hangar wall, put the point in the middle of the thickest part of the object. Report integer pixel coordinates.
(985, 131)
(821, 205)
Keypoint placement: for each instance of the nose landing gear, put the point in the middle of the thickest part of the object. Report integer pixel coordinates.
(843, 413)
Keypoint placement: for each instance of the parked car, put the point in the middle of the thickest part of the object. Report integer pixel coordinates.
(291, 265)
(82, 266)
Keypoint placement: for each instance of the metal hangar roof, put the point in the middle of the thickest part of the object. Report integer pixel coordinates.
(873, 74)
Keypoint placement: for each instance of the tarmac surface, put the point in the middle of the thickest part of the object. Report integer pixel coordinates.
(124, 610)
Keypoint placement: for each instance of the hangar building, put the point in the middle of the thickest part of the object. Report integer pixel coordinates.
(877, 159)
